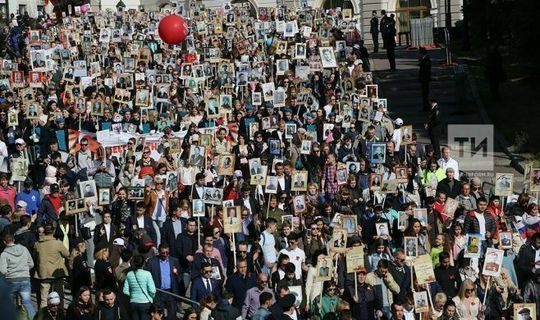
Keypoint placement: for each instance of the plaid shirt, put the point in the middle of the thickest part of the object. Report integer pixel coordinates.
(330, 181)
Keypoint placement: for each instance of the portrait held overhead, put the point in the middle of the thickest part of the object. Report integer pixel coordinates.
(266, 160)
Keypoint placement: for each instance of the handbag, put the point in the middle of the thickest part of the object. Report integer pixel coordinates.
(86, 233)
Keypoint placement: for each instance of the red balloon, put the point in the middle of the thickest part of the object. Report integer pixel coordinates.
(173, 29)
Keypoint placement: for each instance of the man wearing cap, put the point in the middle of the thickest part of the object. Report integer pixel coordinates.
(449, 185)
(50, 256)
(361, 297)
(15, 265)
(54, 310)
(50, 206)
(30, 196)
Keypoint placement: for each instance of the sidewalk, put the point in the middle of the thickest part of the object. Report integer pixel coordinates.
(449, 87)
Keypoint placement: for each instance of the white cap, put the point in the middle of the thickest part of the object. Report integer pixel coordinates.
(20, 141)
(398, 122)
(357, 62)
(119, 242)
(22, 204)
(53, 298)
(195, 137)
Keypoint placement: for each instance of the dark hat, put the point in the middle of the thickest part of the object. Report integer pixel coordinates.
(54, 188)
(524, 311)
(28, 182)
(287, 301)
(100, 247)
(245, 187)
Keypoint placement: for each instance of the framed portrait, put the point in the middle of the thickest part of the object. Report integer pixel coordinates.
(206, 140)
(259, 179)
(325, 269)
(354, 259)
(233, 220)
(197, 156)
(406, 134)
(274, 146)
(288, 218)
(410, 245)
(35, 79)
(213, 196)
(87, 189)
(535, 180)
(104, 196)
(299, 203)
(375, 182)
(75, 206)
(450, 207)
(505, 240)
(256, 98)
(473, 248)
(421, 302)
(212, 107)
(338, 243)
(328, 57)
(341, 176)
(136, 193)
(198, 208)
(493, 260)
(282, 66)
(378, 153)
(290, 130)
(504, 184)
(19, 168)
(281, 47)
(17, 79)
(300, 51)
(421, 214)
(299, 180)
(271, 184)
(350, 223)
(171, 181)
(33, 111)
(372, 91)
(225, 165)
(401, 174)
(382, 229)
(175, 145)
(403, 220)
(306, 147)
(525, 311)
(296, 291)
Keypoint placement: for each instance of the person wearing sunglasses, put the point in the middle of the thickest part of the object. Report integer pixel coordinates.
(205, 284)
(468, 305)
(53, 310)
(297, 255)
(330, 300)
(157, 204)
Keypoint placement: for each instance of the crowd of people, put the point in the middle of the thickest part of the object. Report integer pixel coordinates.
(251, 172)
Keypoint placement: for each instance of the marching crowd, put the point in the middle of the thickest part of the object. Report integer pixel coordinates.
(253, 170)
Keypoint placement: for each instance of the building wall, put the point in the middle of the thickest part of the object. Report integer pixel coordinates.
(31, 6)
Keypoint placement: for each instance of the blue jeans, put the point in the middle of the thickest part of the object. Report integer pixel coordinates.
(140, 311)
(23, 287)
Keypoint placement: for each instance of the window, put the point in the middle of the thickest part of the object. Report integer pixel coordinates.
(22, 8)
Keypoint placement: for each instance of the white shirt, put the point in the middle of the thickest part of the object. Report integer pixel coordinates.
(481, 223)
(107, 231)
(450, 163)
(140, 221)
(297, 257)
(268, 242)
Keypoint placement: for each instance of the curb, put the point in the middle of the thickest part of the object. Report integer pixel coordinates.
(515, 161)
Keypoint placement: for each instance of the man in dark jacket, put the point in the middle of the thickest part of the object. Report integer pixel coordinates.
(186, 244)
(165, 271)
(449, 186)
(424, 77)
(48, 210)
(525, 261)
(239, 283)
(224, 310)
(374, 30)
(434, 126)
(173, 227)
(475, 220)
(141, 221)
(447, 276)
(108, 309)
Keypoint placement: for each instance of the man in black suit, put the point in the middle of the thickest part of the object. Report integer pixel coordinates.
(185, 246)
(172, 227)
(203, 285)
(165, 271)
(434, 126)
(424, 77)
(240, 282)
(374, 30)
(284, 180)
(106, 232)
(197, 189)
(207, 256)
(140, 221)
(247, 200)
